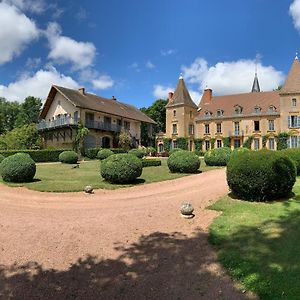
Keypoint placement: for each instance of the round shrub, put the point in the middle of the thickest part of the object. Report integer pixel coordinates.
(217, 157)
(183, 162)
(19, 167)
(68, 157)
(104, 153)
(121, 168)
(261, 175)
(294, 155)
(137, 152)
(174, 150)
(1, 157)
(238, 151)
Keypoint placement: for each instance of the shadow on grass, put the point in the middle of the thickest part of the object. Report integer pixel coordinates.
(265, 257)
(158, 266)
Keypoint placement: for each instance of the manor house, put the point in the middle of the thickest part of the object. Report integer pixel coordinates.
(254, 118)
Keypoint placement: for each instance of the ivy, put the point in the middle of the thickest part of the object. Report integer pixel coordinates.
(281, 140)
(226, 142)
(182, 143)
(198, 144)
(167, 144)
(264, 140)
(212, 143)
(248, 142)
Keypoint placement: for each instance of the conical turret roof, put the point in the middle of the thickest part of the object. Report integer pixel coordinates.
(181, 96)
(292, 82)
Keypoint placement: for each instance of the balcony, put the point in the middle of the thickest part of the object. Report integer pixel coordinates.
(236, 133)
(59, 122)
(103, 126)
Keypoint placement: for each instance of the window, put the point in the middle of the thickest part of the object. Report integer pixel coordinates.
(208, 114)
(207, 145)
(219, 143)
(119, 122)
(206, 128)
(293, 121)
(294, 102)
(293, 141)
(256, 126)
(237, 143)
(271, 144)
(257, 110)
(174, 144)
(219, 128)
(191, 114)
(271, 125)
(256, 144)
(238, 109)
(191, 145)
(174, 131)
(76, 116)
(174, 113)
(236, 128)
(127, 125)
(191, 129)
(219, 113)
(271, 109)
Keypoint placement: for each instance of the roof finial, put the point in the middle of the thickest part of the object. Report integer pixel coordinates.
(296, 57)
(181, 76)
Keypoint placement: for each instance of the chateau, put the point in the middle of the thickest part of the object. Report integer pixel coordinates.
(254, 119)
(65, 108)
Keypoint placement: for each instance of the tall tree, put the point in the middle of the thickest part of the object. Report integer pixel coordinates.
(8, 114)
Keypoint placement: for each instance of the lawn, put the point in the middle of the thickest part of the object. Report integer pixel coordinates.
(259, 244)
(56, 177)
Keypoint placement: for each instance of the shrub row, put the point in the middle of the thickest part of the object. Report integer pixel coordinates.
(45, 155)
(217, 157)
(261, 175)
(183, 162)
(294, 155)
(151, 162)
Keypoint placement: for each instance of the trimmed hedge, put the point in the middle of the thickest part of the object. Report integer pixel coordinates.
(199, 152)
(121, 168)
(68, 157)
(294, 155)
(174, 150)
(183, 162)
(1, 158)
(118, 150)
(104, 153)
(92, 152)
(151, 162)
(261, 175)
(45, 155)
(139, 153)
(19, 167)
(217, 157)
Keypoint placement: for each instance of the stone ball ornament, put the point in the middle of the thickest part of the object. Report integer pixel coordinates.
(187, 210)
(88, 189)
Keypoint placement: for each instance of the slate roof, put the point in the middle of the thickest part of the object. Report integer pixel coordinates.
(96, 103)
(292, 82)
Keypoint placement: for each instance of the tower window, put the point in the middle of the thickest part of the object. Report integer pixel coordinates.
(174, 113)
(174, 129)
(191, 114)
(294, 102)
(206, 128)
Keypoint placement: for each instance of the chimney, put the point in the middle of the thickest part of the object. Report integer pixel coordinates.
(113, 98)
(170, 96)
(82, 90)
(206, 97)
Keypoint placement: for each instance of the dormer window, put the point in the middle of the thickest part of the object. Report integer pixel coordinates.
(208, 114)
(238, 109)
(271, 109)
(257, 109)
(220, 113)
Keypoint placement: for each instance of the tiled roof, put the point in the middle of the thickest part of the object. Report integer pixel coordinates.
(181, 96)
(247, 102)
(96, 103)
(292, 82)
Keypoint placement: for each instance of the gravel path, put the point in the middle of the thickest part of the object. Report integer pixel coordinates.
(116, 244)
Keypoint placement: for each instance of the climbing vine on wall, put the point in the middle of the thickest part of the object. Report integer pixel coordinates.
(248, 142)
(198, 144)
(226, 142)
(212, 143)
(264, 140)
(281, 140)
(167, 144)
(182, 143)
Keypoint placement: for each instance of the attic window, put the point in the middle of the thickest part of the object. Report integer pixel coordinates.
(208, 114)
(220, 113)
(257, 109)
(271, 109)
(238, 109)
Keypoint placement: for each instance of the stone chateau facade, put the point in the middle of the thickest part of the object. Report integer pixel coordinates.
(254, 118)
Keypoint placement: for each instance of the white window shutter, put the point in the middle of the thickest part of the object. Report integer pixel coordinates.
(289, 121)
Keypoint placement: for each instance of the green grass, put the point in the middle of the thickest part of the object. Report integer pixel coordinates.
(259, 244)
(53, 177)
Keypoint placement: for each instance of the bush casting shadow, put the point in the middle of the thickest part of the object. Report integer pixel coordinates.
(158, 266)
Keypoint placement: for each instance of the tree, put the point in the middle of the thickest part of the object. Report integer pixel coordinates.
(8, 114)
(125, 140)
(82, 132)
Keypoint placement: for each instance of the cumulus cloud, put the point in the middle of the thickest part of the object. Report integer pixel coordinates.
(161, 91)
(37, 85)
(103, 82)
(150, 65)
(34, 6)
(17, 31)
(231, 77)
(66, 50)
(295, 13)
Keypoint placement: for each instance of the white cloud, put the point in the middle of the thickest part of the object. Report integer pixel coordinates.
(167, 52)
(135, 66)
(66, 50)
(33, 63)
(161, 91)
(150, 65)
(34, 6)
(17, 31)
(103, 82)
(231, 77)
(295, 13)
(37, 85)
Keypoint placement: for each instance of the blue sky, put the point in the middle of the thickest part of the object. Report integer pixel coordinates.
(135, 50)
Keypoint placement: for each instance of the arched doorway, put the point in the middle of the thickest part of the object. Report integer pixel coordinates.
(105, 142)
(89, 142)
(161, 148)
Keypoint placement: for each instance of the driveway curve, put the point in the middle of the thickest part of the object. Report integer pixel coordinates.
(115, 244)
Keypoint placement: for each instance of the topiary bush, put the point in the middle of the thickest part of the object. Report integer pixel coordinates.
(137, 152)
(19, 167)
(121, 168)
(104, 153)
(183, 162)
(1, 158)
(92, 152)
(174, 150)
(217, 157)
(261, 175)
(68, 157)
(151, 162)
(294, 155)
